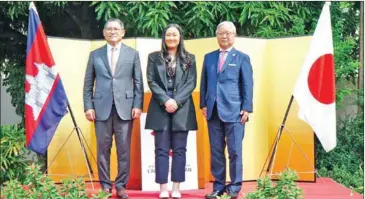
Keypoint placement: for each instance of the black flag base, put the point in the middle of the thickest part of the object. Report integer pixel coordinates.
(81, 141)
(270, 160)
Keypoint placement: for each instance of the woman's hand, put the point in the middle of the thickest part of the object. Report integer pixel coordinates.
(171, 106)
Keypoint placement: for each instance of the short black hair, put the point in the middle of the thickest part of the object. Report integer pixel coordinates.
(112, 20)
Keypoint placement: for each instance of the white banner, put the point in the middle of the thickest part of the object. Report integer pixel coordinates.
(148, 161)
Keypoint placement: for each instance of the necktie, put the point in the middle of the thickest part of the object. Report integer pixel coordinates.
(113, 60)
(222, 58)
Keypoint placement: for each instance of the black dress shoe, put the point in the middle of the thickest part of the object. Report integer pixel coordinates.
(233, 194)
(214, 194)
(122, 194)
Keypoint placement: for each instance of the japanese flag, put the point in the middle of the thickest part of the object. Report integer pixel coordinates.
(315, 89)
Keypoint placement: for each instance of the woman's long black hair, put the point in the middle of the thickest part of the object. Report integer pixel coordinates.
(181, 54)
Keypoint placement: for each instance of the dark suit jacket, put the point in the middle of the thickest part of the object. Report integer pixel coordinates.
(231, 89)
(125, 88)
(184, 118)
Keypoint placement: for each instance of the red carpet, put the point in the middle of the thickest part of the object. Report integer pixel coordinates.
(324, 188)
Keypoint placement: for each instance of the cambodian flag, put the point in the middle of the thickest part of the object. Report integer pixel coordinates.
(45, 97)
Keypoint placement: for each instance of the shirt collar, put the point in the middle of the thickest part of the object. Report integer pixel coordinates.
(227, 50)
(116, 46)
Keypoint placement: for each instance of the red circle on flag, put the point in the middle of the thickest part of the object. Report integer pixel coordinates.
(321, 79)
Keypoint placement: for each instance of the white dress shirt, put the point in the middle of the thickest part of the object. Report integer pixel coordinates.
(117, 52)
(227, 51)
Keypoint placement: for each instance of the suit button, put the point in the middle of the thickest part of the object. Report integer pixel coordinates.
(175, 90)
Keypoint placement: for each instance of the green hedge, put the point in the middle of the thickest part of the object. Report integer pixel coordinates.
(12, 148)
(345, 163)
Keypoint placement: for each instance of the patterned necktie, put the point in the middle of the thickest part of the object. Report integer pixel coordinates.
(222, 58)
(113, 59)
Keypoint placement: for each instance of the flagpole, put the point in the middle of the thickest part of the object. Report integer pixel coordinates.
(88, 165)
(272, 154)
(78, 135)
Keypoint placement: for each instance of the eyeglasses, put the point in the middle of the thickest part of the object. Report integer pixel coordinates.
(221, 34)
(111, 29)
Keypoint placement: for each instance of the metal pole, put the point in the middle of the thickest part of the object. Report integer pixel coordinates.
(78, 135)
(272, 155)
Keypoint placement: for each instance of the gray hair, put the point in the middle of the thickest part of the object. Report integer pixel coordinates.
(114, 20)
(228, 23)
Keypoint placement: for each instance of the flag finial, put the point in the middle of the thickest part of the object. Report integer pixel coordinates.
(32, 7)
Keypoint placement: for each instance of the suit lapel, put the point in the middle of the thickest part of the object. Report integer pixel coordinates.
(214, 70)
(104, 56)
(179, 72)
(229, 58)
(162, 70)
(122, 56)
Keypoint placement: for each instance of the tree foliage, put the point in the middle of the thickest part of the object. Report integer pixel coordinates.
(198, 19)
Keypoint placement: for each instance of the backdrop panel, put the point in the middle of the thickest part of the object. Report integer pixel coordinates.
(284, 61)
(144, 47)
(71, 58)
(276, 64)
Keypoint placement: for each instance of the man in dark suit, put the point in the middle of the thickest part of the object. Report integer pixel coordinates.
(115, 70)
(226, 100)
